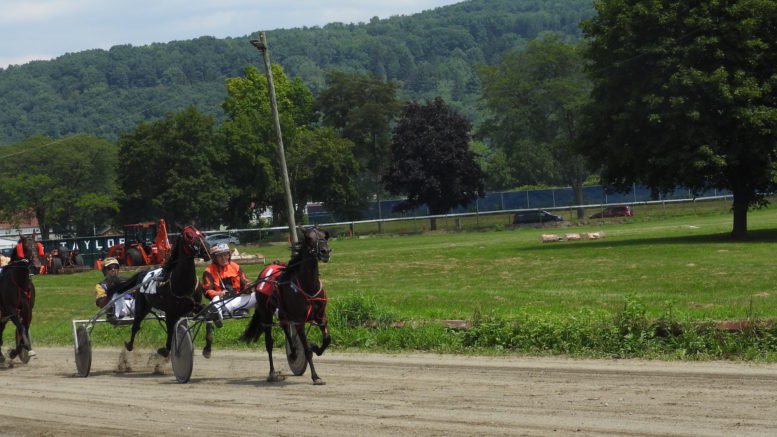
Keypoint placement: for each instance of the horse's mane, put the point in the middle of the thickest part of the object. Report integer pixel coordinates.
(297, 254)
(173, 258)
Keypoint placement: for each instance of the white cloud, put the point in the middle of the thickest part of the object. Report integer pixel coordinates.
(16, 12)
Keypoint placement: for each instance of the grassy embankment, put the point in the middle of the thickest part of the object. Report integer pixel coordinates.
(651, 288)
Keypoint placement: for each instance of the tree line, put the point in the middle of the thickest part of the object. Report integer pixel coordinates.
(434, 53)
(661, 94)
(356, 141)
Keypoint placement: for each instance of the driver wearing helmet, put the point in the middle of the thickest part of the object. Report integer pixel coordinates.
(122, 307)
(223, 279)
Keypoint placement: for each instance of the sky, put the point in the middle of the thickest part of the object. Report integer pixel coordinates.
(45, 29)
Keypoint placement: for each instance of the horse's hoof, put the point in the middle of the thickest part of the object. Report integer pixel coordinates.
(275, 377)
(12, 353)
(128, 346)
(206, 353)
(318, 381)
(2, 358)
(163, 352)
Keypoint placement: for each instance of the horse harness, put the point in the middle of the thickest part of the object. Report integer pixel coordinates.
(22, 291)
(318, 296)
(274, 293)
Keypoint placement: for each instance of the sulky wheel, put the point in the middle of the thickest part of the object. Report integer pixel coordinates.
(182, 357)
(83, 350)
(298, 363)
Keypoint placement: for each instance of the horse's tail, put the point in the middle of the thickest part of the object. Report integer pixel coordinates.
(254, 329)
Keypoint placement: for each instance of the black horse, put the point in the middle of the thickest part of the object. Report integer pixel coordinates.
(17, 294)
(299, 298)
(171, 288)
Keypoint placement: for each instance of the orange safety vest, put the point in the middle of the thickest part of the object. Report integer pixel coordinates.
(216, 278)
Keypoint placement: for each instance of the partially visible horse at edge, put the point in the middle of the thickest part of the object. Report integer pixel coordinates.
(299, 297)
(17, 294)
(175, 286)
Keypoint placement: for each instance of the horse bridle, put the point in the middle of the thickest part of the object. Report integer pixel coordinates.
(194, 241)
(316, 248)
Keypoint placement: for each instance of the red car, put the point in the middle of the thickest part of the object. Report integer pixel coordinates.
(614, 211)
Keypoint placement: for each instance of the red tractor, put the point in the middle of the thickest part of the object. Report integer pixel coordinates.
(63, 260)
(144, 244)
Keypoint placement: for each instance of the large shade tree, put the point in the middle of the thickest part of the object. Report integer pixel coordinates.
(250, 140)
(320, 163)
(534, 99)
(322, 168)
(431, 160)
(67, 184)
(171, 168)
(362, 107)
(685, 93)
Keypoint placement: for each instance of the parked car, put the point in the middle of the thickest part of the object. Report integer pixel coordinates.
(538, 216)
(215, 239)
(614, 211)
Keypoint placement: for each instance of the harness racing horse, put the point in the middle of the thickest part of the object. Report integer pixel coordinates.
(171, 288)
(299, 298)
(17, 296)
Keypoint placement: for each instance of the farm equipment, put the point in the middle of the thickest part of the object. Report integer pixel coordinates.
(63, 260)
(144, 244)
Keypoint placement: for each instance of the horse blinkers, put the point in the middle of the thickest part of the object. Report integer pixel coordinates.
(195, 242)
(29, 252)
(317, 240)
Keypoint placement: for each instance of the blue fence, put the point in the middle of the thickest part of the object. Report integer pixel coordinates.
(530, 199)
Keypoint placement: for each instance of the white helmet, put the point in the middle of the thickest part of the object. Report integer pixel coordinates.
(219, 249)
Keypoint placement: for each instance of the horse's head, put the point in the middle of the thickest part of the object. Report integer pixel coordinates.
(27, 249)
(194, 243)
(316, 242)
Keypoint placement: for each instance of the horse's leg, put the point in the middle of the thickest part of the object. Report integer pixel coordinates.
(142, 308)
(170, 321)
(208, 339)
(2, 328)
(327, 340)
(23, 337)
(28, 317)
(287, 333)
(274, 375)
(308, 354)
(20, 337)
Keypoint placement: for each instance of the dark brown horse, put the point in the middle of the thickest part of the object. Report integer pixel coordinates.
(17, 295)
(171, 288)
(299, 298)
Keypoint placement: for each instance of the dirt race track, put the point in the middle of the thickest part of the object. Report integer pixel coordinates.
(373, 395)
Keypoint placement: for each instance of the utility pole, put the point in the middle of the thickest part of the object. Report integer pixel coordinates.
(261, 44)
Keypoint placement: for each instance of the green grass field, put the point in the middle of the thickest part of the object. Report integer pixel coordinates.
(682, 264)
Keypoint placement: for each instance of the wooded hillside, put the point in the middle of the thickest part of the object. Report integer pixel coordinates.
(106, 92)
